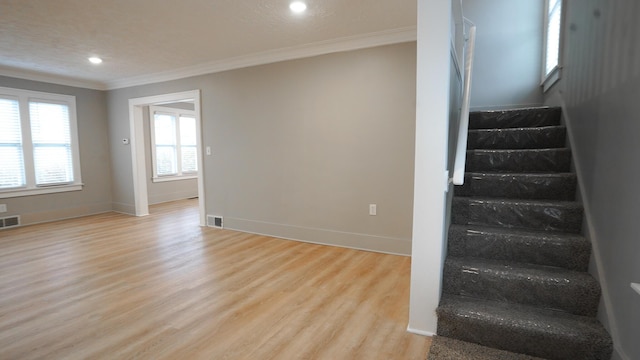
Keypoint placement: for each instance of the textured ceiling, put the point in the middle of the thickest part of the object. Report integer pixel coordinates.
(139, 38)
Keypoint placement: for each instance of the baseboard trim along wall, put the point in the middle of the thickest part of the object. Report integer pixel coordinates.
(62, 214)
(174, 196)
(381, 244)
(420, 332)
(129, 209)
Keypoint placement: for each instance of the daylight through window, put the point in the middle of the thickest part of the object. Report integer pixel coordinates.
(552, 51)
(174, 146)
(38, 143)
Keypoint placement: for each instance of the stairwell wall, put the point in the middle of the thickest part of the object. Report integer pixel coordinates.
(599, 91)
(507, 61)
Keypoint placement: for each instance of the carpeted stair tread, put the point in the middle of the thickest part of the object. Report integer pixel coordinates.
(549, 334)
(517, 138)
(541, 186)
(531, 117)
(519, 160)
(561, 216)
(543, 286)
(570, 251)
(444, 348)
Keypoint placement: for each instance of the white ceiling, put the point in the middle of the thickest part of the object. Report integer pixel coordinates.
(143, 41)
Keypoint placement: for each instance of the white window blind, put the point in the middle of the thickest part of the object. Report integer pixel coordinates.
(188, 144)
(12, 165)
(51, 136)
(165, 144)
(552, 51)
(39, 151)
(174, 143)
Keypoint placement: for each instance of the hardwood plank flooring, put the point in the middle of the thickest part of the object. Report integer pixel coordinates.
(112, 286)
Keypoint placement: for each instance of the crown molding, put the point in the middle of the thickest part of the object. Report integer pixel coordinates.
(297, 52)
(51, 78)
(290, 53)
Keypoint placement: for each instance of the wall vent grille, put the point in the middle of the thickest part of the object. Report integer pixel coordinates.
(214, 221)
(9, 222)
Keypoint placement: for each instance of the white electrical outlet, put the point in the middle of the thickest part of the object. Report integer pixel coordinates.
(3, 207)
(208, 150)
(373, 209)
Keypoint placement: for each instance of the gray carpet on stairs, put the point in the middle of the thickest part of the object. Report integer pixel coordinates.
(444, 348)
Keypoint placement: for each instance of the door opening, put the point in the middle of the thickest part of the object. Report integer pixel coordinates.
(139, 151)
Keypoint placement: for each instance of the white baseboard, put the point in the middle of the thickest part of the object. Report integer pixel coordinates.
(129, 209)
(381, 244)
(167, 197)
(420, 332)
(62, 214)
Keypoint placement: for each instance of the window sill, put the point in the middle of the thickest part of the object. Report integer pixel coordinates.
(40, 190)
(551, 79)
(173, 178)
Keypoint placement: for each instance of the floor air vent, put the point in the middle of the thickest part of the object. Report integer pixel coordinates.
(214, 221)
(9, 222)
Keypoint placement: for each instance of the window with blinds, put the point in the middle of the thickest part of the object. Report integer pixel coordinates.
(12, 169)
(51, 139)
(173, 143)
(38, 143)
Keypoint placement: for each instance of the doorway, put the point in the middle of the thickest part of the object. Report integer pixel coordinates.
(138, 149)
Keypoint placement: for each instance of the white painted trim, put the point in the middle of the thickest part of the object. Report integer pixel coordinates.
(592, 235)
(420, 332)
(355, 42)
(51, 78)
(139, 171)
(296, 52)
(81, 210)
(41, 190)
(350, 240)
(173, 178)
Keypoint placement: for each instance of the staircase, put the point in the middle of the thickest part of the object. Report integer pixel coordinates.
(515, 277)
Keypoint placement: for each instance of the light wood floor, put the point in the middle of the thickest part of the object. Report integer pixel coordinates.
(113, 286)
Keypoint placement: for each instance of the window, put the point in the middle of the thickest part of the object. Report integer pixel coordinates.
(173, 144)
(38, 143)
(553, 26)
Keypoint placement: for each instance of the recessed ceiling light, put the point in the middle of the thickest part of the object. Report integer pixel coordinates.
(298, 7)
(95, 60)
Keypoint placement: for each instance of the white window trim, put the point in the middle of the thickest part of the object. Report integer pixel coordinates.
(548, 80)
(176, 113)
(23, 97)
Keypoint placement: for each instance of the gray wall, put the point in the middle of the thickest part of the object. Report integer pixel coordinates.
(95, 195)
(600, 88)
(159, 192)
(300, 148)
(507, 66)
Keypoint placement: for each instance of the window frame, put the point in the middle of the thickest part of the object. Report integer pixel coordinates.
(550, 78)
(24, 98)
(176, 113)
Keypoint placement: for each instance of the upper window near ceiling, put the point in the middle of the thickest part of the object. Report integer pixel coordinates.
(173, 144)
(552, 43)
(38, 143)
